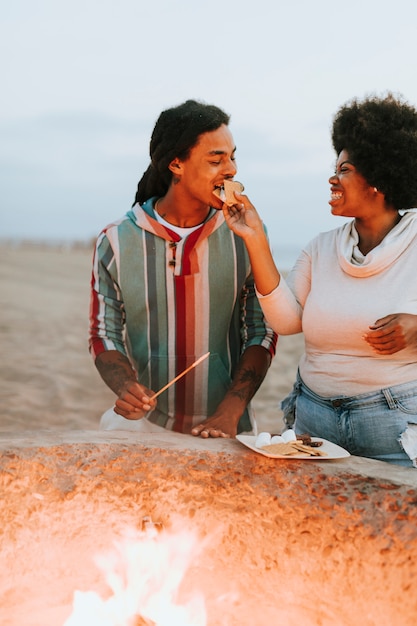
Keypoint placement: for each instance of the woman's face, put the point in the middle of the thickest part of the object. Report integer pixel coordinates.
(351, 195)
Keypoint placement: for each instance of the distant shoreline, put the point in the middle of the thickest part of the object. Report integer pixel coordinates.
(44, 244)
(284, 255)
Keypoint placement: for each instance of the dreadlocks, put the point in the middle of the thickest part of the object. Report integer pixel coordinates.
(176, 132)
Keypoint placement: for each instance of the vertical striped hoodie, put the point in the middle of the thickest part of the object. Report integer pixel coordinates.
(164, 301)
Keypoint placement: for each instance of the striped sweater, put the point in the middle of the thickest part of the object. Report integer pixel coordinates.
(164, 301)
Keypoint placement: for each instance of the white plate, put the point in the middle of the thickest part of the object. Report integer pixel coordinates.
(331, 449)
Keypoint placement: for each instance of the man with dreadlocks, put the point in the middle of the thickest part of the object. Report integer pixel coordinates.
(171, 282)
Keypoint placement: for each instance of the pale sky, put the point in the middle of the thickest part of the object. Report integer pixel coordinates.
(83, 81)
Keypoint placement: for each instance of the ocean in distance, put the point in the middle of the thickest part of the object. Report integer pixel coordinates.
(285, 255)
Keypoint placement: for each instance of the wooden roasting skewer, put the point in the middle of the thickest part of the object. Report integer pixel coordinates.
(174, 380)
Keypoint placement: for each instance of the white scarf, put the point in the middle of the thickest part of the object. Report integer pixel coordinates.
(354, 263)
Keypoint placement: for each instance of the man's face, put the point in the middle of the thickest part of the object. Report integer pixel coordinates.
(209, 163)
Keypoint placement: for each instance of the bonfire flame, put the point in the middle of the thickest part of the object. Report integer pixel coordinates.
(144, 573)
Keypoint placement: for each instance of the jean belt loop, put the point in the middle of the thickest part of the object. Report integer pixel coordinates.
(392, 404)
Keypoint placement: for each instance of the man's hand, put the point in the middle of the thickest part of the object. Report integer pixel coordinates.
(134, 400)
(249, 375)
(217, 425)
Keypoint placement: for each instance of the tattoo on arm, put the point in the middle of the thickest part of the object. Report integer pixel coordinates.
(115, 370)
(247, 384)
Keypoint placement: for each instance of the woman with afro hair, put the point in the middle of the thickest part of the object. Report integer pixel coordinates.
(353, 290)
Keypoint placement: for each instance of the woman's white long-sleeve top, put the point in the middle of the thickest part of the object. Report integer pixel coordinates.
(334, 293)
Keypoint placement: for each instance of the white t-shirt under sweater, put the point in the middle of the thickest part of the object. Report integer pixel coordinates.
(334, 293)
(180, 230)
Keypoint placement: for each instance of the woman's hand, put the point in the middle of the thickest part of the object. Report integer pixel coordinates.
(242, 217)
(393, 333)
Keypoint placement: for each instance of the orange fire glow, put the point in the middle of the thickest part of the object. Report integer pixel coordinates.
(144, 572)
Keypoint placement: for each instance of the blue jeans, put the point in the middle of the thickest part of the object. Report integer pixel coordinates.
(368, 425)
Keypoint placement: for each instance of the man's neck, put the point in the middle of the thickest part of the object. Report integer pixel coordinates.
(180, 214)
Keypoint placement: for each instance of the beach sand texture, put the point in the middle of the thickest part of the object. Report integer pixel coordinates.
(47, 377)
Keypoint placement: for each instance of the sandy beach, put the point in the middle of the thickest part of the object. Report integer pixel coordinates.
(47, 377)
